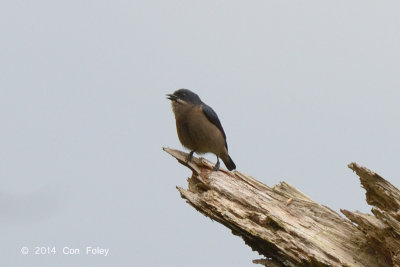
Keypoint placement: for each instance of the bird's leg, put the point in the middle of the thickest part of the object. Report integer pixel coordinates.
(190, 156)
(216, 167)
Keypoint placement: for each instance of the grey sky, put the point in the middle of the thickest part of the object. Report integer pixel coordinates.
(302, 88)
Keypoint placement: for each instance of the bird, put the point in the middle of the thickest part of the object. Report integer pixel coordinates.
(199, 128)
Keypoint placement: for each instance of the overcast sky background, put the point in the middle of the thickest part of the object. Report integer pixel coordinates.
(302, 88)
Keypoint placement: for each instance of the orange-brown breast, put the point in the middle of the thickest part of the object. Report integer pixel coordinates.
(196, 132)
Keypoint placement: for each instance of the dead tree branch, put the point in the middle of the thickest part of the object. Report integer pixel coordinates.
(290, 229)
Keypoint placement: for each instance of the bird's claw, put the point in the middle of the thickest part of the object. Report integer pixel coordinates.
(189, 157)
(216, 167)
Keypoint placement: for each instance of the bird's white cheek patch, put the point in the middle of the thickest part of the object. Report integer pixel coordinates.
(180, 101)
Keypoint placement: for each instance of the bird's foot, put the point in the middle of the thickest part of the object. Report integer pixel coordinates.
(216, 167)
(189, 157)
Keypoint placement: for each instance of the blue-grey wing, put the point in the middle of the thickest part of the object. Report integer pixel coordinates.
(213, 118)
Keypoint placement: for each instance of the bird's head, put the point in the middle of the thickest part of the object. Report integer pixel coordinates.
(184, 96)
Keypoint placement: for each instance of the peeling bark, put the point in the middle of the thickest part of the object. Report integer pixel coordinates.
(290, 229)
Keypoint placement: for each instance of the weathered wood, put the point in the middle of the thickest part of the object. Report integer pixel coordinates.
(289, 228)
(383, 229)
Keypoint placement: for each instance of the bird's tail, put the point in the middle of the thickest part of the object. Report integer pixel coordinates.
(228, 162)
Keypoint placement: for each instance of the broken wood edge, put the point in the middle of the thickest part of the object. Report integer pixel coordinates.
(379, 193)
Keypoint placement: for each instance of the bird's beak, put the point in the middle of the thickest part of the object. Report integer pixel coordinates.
(172, 97)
